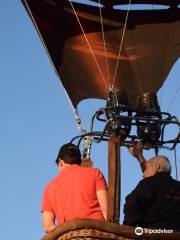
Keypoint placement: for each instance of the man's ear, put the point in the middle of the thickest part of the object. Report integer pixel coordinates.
(157, 167)
(61, 163)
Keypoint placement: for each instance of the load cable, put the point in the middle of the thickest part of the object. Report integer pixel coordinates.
(104, 41)
(88, 43)
(122, 40)
(78, 120)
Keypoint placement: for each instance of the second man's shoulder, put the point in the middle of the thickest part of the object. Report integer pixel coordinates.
(96, 171)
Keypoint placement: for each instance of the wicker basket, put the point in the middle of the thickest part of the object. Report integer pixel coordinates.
(89, 229)
(89, 234)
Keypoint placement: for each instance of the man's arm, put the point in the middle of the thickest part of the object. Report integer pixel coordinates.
(102, 199)
(136, 203)
(48, 219)
(101, 192)
(136, 151)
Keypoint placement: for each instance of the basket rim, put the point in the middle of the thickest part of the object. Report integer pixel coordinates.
(109, 227)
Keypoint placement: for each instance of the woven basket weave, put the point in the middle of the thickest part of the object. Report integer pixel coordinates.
(89, 234)
(89, 229)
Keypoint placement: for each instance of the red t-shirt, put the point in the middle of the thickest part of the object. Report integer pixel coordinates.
(72, 194)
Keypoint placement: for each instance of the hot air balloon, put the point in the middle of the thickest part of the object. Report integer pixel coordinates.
(123, 56)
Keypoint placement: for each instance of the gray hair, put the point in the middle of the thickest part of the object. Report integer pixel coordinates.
(165, 165)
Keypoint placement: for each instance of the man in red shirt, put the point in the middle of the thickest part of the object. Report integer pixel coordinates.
(76, 192)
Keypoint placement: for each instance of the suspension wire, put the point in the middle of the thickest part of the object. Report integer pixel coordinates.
(88, 43)
(122, 39)
(85, 144)
(78, 119)
(102, 28)
(79, 122)
(175, 161)
(177, 90)
(74, 110)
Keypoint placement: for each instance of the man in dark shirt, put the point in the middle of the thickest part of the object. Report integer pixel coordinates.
(155, 202)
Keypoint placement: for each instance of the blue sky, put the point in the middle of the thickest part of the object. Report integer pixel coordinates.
(36, 119)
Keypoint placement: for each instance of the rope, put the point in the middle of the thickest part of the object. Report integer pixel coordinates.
(94, 57)
(102, 27)
(122, 39)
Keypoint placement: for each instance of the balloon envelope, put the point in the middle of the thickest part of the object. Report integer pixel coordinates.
(86, 63)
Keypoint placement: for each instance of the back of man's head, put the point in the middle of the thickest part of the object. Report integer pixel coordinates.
(164, 163)
(70, 154)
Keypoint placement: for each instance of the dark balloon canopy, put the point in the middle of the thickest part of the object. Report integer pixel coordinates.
(85, 57)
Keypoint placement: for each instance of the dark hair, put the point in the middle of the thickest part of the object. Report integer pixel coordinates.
(70, 154)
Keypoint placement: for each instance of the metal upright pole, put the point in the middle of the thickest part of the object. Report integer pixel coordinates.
(113, 212)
